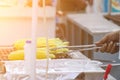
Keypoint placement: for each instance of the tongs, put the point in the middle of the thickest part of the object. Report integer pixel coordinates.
(82, 47)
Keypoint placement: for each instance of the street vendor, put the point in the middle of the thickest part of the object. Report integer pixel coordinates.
(109, 42)
(109, 45)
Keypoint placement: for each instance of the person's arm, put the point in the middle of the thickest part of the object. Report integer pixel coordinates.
(108, 42)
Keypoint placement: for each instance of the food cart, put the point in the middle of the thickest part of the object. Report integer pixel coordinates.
(77, 66)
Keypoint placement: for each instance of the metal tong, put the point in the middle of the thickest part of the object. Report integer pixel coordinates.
(83, 47)
(79, 47)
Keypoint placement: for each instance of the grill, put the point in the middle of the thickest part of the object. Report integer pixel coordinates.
(4, 52)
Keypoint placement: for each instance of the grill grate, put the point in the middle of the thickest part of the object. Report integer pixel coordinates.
(4, 52)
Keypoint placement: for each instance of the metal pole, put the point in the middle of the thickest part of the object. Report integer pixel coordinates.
(109, 7)
(33, 35)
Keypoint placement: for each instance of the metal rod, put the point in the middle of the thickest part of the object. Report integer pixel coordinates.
(77, 46)
(109, 7)
(87, 47)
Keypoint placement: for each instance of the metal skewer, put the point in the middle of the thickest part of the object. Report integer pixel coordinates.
(82, 47)
(76, 46)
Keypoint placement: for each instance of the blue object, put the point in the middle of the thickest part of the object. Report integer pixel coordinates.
(105, 5)
(115, 5)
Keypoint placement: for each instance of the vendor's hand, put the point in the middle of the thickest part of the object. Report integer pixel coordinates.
(108, 42)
